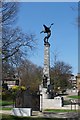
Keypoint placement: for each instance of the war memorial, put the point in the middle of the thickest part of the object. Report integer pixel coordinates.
(45, 99)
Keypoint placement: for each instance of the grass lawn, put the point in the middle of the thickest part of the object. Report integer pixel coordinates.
(59, 110)
(5, 103)
(6, 108)
(48, 110)
(67, 102)
(10, 117)
(74, 97)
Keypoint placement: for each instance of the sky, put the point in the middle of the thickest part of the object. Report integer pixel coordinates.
(41, 0)
(64, 36)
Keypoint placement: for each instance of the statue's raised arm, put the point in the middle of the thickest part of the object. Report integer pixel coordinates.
(48, 31)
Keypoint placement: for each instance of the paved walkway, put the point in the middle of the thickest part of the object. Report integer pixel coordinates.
(5, 112)
(65, 107)
(72, 115)
(69, 107)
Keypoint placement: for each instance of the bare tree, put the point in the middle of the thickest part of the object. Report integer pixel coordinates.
(14, 40)
(9, 13)
(60, 75)
(15, 43)
(30, 75)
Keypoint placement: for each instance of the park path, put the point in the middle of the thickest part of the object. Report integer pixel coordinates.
(65, 107)
(5, 112)
(72, 115)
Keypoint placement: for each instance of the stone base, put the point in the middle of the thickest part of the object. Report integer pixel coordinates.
(47, 103)
(21, 112)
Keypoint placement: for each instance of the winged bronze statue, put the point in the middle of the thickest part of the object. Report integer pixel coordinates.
(48, 31)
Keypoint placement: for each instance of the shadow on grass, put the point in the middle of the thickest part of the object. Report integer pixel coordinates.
(63, 94)
(10, 117)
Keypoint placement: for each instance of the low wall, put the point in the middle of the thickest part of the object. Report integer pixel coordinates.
(51, 103)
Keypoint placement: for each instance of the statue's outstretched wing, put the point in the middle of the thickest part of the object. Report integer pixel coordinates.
(51, 25)
(45, 26)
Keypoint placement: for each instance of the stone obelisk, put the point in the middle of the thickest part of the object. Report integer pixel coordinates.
(46, 68)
